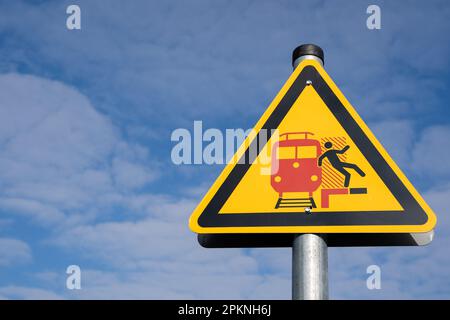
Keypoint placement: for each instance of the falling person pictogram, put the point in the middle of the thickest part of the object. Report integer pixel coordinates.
(332, 156)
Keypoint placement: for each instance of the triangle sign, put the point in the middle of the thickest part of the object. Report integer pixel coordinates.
(311, 165)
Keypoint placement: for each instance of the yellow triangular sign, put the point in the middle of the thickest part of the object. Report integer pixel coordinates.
(311, 165)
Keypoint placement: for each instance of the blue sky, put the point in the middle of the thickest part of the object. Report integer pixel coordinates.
(86, 116)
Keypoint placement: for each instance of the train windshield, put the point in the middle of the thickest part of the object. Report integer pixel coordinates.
(299, 152)
(286, 153)
(307, 152)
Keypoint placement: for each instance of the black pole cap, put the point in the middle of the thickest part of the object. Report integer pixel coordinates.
(307, 49)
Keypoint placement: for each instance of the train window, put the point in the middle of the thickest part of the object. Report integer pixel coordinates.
(305, 152)
(286, 153)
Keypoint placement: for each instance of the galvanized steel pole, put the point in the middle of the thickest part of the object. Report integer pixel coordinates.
(309, 251)
(309, 267)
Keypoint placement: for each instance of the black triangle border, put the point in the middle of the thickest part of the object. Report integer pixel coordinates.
(413, 213)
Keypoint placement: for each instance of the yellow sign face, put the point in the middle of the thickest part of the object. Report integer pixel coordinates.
(311, 165)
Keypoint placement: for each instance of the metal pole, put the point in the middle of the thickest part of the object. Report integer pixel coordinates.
(309, 267)
(309, 251)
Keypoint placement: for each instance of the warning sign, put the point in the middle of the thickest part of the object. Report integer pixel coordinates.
(311, 165)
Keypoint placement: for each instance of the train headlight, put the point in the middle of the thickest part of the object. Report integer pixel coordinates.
(314, 177)
(296, 164)
(277, 179)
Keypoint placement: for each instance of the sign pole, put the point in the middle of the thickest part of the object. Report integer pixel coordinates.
(309, 251)
(309, 267)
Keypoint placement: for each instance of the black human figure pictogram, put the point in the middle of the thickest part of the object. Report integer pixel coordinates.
(332, 155)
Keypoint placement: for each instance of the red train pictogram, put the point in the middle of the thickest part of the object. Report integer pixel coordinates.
(296, 168)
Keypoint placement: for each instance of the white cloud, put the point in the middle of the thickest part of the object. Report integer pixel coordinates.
(397, 137)
(60, 158)
(131, 175)
(19, 292)
(422, 151)
(168, 285)
(13, 251)
(431, 153)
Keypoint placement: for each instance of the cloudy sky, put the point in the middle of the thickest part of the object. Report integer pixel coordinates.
(86, 116)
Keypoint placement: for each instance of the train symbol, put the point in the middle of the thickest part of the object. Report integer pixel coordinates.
(296, 156)
(298, 170)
